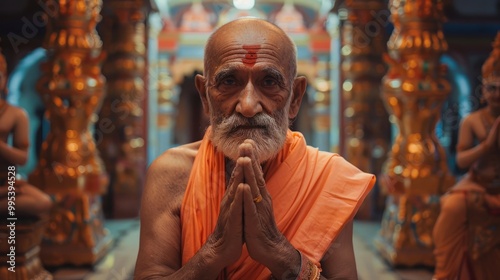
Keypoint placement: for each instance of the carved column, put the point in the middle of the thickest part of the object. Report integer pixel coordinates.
(69, 168)
(120, 135)
(366, 126)
(415, 174)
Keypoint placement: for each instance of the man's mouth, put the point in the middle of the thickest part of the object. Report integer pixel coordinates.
(251, 126)
(248, 127)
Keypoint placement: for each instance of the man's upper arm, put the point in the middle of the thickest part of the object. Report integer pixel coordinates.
(159, 251)
(339, 261)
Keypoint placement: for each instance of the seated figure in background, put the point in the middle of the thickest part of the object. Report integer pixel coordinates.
(467, 232)
(29, 200)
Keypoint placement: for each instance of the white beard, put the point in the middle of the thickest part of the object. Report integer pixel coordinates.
(269, 139)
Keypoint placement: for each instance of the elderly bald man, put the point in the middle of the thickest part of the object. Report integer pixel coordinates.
(251, 200)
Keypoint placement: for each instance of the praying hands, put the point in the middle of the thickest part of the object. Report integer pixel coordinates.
(247, 217)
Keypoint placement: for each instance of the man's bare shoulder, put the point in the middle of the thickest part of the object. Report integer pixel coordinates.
(169, 172)
(178, 158)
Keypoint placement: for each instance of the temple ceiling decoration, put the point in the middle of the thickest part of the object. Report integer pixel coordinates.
(188, 24)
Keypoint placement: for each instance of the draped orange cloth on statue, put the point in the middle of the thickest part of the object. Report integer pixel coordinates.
(314, 194)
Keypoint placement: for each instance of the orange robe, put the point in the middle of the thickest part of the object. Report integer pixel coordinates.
(314, 194)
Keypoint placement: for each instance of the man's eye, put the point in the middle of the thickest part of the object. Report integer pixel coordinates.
(269, 82)
(229, 81)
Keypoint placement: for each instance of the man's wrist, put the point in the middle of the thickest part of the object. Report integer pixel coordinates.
(287, 261)
(306, 270)
(211, 258)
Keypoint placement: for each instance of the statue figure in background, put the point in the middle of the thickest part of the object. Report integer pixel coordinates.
(467, 232)
(29, 200)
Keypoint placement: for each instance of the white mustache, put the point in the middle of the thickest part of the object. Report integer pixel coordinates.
(234, 121)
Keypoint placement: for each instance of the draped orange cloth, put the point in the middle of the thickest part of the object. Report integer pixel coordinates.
(314, 194)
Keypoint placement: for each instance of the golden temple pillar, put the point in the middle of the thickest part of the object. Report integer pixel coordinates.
(366, 133)
(69, 168)
(121, 132)
(415, 174)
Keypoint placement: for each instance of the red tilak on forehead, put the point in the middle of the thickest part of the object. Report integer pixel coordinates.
(251, 56)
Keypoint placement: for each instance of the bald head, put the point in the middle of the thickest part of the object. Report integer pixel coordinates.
(251, 32)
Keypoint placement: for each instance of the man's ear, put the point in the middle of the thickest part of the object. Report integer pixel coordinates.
(200, 84)
(299, 89)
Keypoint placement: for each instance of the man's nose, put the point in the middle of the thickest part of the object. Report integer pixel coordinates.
(249, 103)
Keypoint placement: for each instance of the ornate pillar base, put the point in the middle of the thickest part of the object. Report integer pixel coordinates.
(406, 231)
(28, 235)
(59, 254)
(76, 234)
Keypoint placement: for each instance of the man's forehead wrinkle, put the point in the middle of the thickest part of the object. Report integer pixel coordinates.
(233, 47)
(235, 58)
(237, 48)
